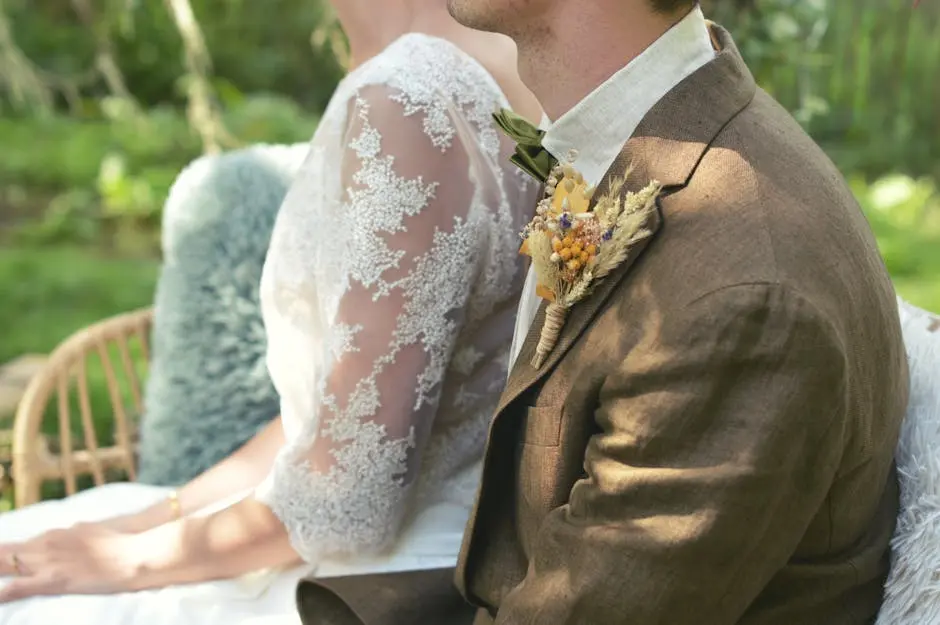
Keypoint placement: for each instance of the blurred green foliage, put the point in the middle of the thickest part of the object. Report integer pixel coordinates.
(104, 181)
(905, 215)
(256, 46)
(100, 173)
(861, 75)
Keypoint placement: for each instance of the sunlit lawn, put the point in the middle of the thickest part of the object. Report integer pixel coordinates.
(48, 293)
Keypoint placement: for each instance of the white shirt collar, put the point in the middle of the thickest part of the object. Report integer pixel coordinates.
(596, 128)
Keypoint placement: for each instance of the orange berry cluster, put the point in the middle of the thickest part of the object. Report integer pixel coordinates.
(572, 252)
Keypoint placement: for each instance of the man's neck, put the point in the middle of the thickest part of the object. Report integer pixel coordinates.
(567, 59)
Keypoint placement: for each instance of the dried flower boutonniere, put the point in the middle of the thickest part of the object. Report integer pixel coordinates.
(573, 248)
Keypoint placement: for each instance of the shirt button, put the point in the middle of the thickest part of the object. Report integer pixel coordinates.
(572, 155)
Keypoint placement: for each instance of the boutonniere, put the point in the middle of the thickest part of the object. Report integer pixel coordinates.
(573, 248)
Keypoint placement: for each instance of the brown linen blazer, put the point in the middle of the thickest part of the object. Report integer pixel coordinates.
(711, 441)
(406, 598)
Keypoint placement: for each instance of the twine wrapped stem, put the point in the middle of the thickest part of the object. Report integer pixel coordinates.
(555, 315)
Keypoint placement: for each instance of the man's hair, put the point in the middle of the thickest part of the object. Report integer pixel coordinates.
(668, 7)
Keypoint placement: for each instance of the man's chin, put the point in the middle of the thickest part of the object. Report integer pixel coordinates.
(471, 17)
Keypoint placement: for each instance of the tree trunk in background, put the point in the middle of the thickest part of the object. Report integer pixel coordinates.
(328, 32)
(18, 75)
(105, 62)
(203, 115)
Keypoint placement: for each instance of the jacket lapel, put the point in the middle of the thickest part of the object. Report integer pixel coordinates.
(667, 146)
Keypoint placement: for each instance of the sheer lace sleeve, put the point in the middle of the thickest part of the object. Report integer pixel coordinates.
(406, 250)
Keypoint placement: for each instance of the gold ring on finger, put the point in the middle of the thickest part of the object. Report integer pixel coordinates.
(17, 564)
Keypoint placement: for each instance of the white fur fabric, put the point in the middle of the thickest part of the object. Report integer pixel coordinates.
(912, 592)
(208, 390)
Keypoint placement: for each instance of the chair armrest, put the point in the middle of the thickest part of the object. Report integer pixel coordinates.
(121, 345)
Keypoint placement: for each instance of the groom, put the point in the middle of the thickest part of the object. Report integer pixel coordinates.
(709, 441)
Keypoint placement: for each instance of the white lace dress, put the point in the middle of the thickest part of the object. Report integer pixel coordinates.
(389, 294)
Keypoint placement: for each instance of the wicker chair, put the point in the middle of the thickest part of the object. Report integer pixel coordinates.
(61, 391)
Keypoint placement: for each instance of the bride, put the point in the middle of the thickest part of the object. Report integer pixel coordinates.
(388, 294)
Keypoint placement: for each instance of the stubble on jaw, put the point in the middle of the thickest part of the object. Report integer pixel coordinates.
(526, 22)
(523, 21)
(517, 19)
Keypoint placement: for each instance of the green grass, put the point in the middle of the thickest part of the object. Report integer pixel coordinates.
(46, 294)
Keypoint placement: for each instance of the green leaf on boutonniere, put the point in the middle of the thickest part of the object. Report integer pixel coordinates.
(530, 156)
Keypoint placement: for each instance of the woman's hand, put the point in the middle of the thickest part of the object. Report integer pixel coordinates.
(94, 559)
(86, 559)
